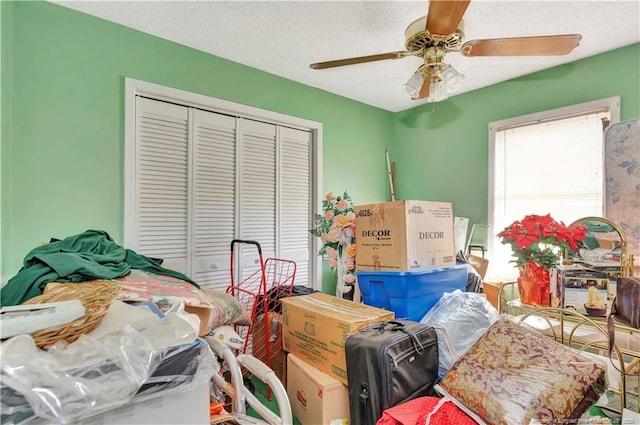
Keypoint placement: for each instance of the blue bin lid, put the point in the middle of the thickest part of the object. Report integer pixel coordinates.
(411, 272)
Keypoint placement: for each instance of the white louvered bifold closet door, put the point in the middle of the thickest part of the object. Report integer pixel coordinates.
(257, 203)
(294, 195)
(204, 178)
(161, 183)
(214, 197)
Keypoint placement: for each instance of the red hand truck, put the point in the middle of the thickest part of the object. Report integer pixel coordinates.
(260, 293)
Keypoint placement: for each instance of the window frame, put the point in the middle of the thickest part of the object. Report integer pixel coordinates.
(134, 87)
(610, 103)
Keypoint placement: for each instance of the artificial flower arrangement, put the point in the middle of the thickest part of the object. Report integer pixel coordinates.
(336, 229)
(542, 239)
(540, 243)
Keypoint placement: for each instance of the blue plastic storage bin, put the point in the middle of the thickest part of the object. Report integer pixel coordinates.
(410, 295)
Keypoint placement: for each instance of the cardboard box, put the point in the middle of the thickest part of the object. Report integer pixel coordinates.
(277, 356)
(316, 326)
(279, 366)
(204, 314)
(404, 236)
(316, 398)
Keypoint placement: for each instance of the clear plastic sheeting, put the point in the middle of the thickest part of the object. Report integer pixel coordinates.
(14, 408)
(513, 375)
(460, 318)
(93, 375)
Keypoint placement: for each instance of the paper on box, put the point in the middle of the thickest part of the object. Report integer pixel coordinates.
(404, 236)
(315, 397)
(315, 328)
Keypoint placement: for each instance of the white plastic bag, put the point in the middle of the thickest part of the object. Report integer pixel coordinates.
(69, 382)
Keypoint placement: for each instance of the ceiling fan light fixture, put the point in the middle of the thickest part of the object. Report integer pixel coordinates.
(452, 79)
(441, 32)
(437, 91)
(413, 84)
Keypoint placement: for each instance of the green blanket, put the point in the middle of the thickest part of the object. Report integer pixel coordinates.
(86, 256)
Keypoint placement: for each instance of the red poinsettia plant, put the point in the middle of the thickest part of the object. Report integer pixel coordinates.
(542, 239)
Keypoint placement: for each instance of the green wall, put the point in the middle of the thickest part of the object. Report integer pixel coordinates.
(63, 106)
(62, 141)
(441, 150)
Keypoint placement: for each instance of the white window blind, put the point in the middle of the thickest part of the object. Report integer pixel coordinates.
(553, 165)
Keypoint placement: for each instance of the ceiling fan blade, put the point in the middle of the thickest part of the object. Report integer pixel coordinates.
(361, 59)
(424, 90)
(522, 46)
(444, 16)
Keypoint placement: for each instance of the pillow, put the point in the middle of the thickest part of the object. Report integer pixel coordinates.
(225, 310)
(513, 374)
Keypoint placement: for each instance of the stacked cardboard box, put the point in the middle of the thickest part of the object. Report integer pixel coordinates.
(316, 326)
(404, 236)
(315, 397)
(314, 330)
(406, 255)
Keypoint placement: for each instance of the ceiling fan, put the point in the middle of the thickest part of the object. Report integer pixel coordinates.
(440, 32)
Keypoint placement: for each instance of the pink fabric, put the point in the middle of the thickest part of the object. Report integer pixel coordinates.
(415, 412)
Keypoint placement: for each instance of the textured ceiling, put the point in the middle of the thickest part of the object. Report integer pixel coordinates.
(284, 37)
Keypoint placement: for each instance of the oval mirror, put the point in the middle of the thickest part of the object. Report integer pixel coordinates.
(605, 246)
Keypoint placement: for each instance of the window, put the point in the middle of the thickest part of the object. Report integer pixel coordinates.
(549, 162)
(200, 172)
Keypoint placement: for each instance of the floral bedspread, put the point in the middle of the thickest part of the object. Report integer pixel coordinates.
(146, 286)
(512, 375)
